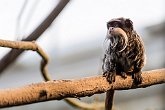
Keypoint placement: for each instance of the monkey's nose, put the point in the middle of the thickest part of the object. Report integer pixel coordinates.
(111, 30)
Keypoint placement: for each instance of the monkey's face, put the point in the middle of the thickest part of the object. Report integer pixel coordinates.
(119, 31)
(124, 25)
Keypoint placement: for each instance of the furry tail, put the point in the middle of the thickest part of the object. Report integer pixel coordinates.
(109, 100)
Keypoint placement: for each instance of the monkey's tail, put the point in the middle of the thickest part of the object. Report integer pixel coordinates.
(109, 99)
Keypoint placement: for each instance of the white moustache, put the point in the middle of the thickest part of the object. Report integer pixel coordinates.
(112, 32)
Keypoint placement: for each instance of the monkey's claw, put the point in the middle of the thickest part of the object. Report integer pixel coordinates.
(123, 75)
(104, 74)
(110, 76)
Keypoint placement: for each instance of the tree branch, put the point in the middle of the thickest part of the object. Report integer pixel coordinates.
(59, 89)
(25, 45)
(11, 56)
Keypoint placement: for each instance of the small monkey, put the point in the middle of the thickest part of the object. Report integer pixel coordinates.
(124, 55)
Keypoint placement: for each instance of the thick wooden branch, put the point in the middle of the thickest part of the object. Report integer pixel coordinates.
(59, 89)
(25, 45)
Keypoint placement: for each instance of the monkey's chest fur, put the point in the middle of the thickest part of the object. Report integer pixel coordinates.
(129, 61)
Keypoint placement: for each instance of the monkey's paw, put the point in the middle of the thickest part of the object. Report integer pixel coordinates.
(123, 75)
(110, 76)
(137, 78)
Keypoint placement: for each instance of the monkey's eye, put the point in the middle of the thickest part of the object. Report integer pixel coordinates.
(114, 24)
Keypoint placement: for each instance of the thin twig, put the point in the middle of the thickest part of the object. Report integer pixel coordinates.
(19, 17)
(25, 45)
(59, 89)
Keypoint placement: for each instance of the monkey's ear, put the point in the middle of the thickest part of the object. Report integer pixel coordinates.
(129, 24)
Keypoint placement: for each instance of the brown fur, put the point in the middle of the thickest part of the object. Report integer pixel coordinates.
(124, 55)
(128, 61)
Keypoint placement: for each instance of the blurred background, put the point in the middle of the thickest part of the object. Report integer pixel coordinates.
(74, 43)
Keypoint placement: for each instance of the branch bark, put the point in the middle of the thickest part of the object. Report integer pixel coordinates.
(11, 56)
(59, 89)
